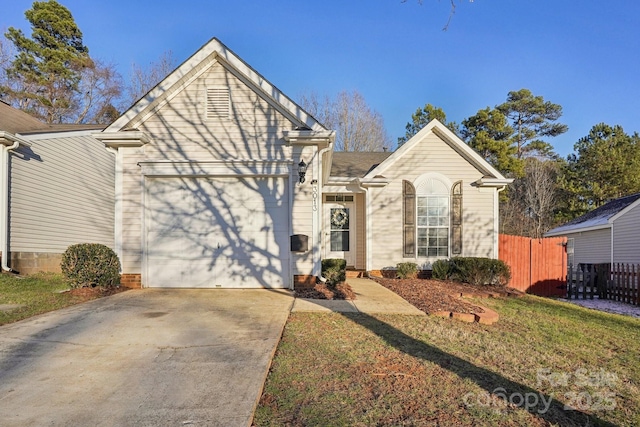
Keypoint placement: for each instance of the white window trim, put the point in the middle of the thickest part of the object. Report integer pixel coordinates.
(421, 191)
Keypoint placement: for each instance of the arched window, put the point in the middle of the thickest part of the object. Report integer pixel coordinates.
(432, 215)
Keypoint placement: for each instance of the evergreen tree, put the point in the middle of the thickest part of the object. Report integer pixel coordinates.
(47, 69)
(532, 119)
(605, 166)
(422, 117)
(490, 135)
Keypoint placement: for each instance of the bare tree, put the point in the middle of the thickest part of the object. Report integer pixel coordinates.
(101, 87)
(357, 126)
(142, 80)
(529, 209)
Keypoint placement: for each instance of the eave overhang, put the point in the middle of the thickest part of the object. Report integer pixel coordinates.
(493, 182)
(7, 139)
(321, 138)
(123, 139)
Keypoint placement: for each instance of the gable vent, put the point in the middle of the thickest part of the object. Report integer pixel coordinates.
(218, 103)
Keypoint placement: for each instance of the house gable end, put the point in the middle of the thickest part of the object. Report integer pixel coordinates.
(441, 131)
(212, 52)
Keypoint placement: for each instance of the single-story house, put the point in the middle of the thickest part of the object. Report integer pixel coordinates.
(56, 189)
(224, 181)
(608, 234)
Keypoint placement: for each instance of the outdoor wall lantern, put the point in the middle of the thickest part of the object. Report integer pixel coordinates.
(302, 171)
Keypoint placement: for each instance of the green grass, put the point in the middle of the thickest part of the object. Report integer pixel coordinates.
(357, 370)
(36, 293)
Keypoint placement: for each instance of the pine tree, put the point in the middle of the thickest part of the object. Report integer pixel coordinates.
(48, 66)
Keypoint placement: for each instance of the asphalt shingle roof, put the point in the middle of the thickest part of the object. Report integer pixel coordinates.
(356, 164)
(598, 216)
(15, 121)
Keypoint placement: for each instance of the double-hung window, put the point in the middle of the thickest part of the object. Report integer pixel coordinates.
(433, 225)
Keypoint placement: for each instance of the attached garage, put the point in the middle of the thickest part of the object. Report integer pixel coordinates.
(210, 232)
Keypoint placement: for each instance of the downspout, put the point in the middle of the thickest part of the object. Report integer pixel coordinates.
(4, 201)
(318, 215)
(367, 241)
(612, 248)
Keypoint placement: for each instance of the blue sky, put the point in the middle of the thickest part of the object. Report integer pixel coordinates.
(583, 55)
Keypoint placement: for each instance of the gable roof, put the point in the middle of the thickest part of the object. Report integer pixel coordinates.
(491, 175)
(598, 218)
(356, 164)
(212, 52)
(16, 121)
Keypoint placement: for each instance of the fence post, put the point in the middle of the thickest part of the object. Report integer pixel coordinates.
(569, 281)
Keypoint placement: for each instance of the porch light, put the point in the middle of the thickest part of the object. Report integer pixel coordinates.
(302, 171)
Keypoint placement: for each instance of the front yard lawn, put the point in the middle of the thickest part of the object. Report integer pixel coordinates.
(541, 358)
(36, 294)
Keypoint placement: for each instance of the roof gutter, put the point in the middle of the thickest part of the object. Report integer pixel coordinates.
(9, 143)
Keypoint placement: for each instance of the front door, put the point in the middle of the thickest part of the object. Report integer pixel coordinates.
(340, 231)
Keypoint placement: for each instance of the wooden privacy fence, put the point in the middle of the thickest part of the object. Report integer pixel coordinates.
(538, 266)
(615, 282)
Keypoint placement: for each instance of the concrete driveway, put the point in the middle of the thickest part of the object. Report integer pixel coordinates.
(146, 357)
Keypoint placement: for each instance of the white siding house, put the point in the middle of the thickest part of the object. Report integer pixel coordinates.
(209, 190)
(608, 234)
(58, 190)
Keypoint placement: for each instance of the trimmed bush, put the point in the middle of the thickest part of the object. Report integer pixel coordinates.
(90, 265)
(441, 269)
(480, 271)
(407, 270)
(334, 270)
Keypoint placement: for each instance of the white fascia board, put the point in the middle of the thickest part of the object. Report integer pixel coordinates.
(7, 138)
(624, 211)
(434, 126)
(122, 139)
(214, 46)
(310, 137)
(493, 182)
(339, 180)
(567, 231)
(374, 182)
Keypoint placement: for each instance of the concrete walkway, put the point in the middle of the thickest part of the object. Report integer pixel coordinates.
(144, 358)
(371, 298)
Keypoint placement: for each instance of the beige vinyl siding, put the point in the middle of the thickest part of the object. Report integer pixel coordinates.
(181, 132)
(592, 246)
(626, 237)
(302, 209)
(132, 199)
(62, 193)
(431, 155)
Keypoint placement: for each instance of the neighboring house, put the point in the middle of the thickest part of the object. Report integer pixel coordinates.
(209, 194)
(608, 234)
(56, 189)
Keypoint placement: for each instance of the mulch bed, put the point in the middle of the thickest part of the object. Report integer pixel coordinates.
(432, 296)
(323, 291)
(96, 292)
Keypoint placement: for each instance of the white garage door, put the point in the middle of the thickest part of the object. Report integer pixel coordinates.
(217, 232)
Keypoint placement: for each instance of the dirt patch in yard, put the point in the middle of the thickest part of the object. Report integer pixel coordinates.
(433, 296)
(341, 291)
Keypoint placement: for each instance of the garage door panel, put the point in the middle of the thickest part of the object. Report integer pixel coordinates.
(218, 232)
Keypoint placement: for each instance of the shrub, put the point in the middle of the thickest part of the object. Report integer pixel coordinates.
(441, 269)
(407, 270)
(480, 271)
(334, 270)
(90, 264)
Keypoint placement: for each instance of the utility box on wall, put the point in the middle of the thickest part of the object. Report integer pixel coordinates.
(299, 243)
